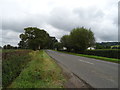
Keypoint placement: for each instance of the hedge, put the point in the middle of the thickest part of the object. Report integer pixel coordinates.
(12, 65)
(104, 53)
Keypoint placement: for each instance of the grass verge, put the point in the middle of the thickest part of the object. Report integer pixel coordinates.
(41, 72)
(95, 57)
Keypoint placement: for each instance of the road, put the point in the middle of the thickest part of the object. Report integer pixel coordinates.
(97, 73)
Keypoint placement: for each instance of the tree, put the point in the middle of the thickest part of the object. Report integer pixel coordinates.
(81, 39)
(98, 46)
(8, 46)
(58, 45)
(52, 41)
(22, 44)
(34, 38)
(4, 47)
(104, 45)
(65, 40)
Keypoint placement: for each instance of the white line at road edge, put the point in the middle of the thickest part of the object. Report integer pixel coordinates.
(85, 62)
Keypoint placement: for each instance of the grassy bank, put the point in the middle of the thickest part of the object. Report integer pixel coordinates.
(95, 57)
(40, 72)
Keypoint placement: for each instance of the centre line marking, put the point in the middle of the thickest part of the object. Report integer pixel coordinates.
(86, 62)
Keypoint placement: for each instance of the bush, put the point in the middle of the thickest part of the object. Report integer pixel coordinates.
(12, 65)
(104, 53)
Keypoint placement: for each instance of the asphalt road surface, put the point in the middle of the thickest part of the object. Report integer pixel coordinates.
(97, 73)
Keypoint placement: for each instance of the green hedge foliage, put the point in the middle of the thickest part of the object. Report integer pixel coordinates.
(12, 65)
(104, 53)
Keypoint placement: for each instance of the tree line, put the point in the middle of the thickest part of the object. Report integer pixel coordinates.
(8, 46)
(78, 40)
(34, 38)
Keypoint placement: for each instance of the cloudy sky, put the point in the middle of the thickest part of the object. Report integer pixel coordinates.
(58, 17)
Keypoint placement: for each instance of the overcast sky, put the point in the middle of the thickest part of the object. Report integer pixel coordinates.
(59, 17)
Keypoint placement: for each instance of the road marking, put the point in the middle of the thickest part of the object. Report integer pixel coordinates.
(85, 61)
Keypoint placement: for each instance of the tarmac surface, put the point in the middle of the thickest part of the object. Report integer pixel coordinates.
(97, 73)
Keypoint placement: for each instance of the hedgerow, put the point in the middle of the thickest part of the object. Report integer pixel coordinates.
(12, 65)
(104, 53)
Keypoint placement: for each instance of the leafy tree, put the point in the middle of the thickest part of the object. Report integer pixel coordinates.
(4, 47)
(58, 45)
(22, 44)
(52, 41)
(34, 38)
(66, 42)
(98, 46)
(8, 46)
(103, 45)
(81, 39)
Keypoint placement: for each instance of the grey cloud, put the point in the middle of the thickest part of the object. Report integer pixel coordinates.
(108, 37)
(118, 13)
(10, 37)
(62, 18)
(103, 28)
(19, 24)
(88, 17)
(115, 21)
(89, 13)
(66, 19)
